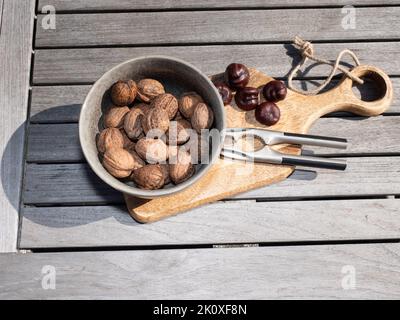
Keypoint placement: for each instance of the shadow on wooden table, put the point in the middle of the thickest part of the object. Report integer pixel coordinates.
(112, 199)
(109, 201)
(103, 201)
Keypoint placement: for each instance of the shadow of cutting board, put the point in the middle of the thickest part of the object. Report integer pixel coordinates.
(298, 112)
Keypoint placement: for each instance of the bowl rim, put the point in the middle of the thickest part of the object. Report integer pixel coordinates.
(135, 191)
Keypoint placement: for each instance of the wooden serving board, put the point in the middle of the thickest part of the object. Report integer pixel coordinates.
(298, 112)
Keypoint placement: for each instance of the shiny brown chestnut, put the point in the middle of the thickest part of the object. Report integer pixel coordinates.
(247, 98)
(225, 92)
(268, 113)
(274, 91)
(237, 76)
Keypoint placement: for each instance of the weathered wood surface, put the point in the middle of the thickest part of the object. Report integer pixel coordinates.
(99, 5)
(60, 142)
(150, 28)
(77, 183)
(253, 272)
(243, 273)
(87, 65)
(15, 51)
(1, 12)
(58, 104)
(222, 222)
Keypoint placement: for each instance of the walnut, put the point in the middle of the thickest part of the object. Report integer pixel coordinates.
(114, 118)
(178, 116)
(110, 137)
(172, 153)
(152, 150)
(118, 162)
(133, 123)
(202, 118)
(188, 102)
(165, 169)
(203, 149)
(167, 102)
(131, 148)
(144, 107)
(199, 148)
(137, 160)
(183, 169)
(178, 132)
(148, 89)
(128, 143)
(149, 177)
(123, 93)
(141, 136)
(155, 118)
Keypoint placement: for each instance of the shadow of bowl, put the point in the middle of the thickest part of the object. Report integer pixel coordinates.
(10, 176)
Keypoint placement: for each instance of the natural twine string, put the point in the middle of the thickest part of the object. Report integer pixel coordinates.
(307, 52)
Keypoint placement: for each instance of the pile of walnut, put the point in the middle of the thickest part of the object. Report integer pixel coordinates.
(127, 146)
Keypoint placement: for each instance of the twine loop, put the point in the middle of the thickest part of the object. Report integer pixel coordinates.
(306, 49)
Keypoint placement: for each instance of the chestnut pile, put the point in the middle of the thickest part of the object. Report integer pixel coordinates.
(237, 77)
(149, 135)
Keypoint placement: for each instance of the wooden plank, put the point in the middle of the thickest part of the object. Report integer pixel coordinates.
(143, 28)
(58, 104)
(222, 222)
(15, 51)
(1, 13)
(304, 272)
(80, 185)
(105, 5)
(60, 142)
(77, 184)
(375, 135)
(68, 66)
(363, 177)
(54, 143)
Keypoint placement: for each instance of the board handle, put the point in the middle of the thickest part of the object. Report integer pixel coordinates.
(342, 97)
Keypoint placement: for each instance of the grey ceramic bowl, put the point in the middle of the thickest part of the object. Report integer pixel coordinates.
(178, 77)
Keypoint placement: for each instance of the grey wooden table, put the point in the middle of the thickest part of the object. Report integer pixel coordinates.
(319, 234)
